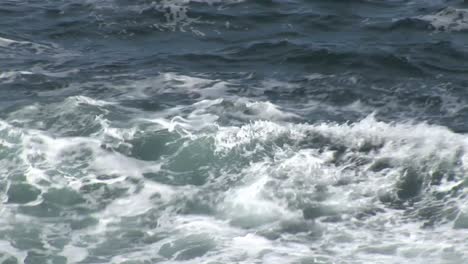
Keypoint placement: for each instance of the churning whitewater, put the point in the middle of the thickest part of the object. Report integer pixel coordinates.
(137, 132)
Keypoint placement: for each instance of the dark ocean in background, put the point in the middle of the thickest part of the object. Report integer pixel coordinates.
(235, 131)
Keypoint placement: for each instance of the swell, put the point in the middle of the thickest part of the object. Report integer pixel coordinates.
(286, 39)
(322, 59)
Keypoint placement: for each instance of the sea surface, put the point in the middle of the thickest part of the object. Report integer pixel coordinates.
(235, 131)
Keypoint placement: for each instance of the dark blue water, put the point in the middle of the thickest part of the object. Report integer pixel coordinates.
(234, 131)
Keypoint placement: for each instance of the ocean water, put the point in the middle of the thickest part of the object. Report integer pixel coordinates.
(233, 131)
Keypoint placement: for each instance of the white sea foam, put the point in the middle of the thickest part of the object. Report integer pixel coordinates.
(8, 250)
(4, 42)
(448, 19)
(74, 254)
(176, 13)
(275, 192)
(26, 45)
(292, 178)
(10, 76)
(166, 83)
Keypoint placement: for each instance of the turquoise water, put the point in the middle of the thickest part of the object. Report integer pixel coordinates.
(209, 131)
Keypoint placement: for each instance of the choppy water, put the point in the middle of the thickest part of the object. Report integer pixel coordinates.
(209, 131)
